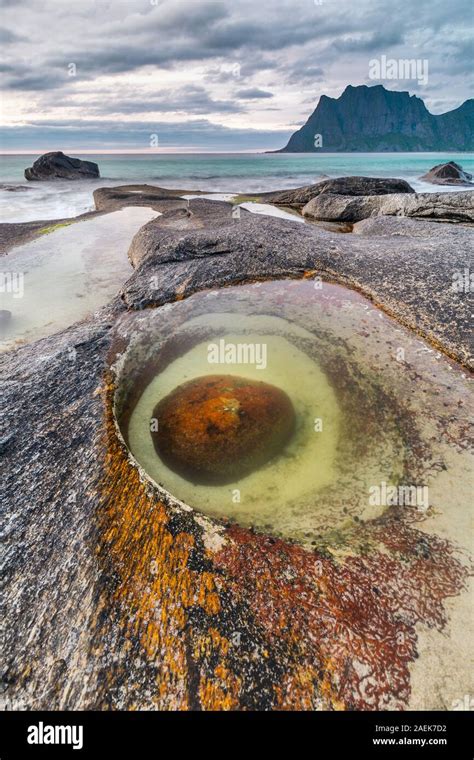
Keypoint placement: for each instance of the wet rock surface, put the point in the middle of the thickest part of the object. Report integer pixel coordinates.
(13, 188)
(106, 200)
(116, 599)
(112, 198)
(13, 234)
(178, 254)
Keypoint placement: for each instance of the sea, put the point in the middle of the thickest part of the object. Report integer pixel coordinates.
(22, 201)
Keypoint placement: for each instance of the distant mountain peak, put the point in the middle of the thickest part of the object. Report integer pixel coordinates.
(373, 119)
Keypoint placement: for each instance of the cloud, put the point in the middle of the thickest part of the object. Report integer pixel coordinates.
(368, 43)
(28, 81)
(253, 93)
(190, 99)
(299, 72)
(7, 36)
(220, 59)
(86, 134)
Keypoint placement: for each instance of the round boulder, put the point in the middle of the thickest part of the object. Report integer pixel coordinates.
(218, 428)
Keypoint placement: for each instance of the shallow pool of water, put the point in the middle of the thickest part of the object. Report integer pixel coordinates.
(306, 464)
(65, 275)
(372, 404)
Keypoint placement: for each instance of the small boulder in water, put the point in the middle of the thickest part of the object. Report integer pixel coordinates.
(218, 428)
(58, 166)
(448, 174)
(5, 317)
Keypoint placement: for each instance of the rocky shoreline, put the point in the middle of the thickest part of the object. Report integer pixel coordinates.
(127, 601)
(432, 243)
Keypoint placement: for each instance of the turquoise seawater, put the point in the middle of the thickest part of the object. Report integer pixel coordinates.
(218, 172)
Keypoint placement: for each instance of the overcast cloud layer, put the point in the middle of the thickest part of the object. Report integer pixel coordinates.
(209, 74)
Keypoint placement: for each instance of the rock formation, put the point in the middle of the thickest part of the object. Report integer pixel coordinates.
(116, 599)
(375, 119)
(448, 174)
(217, 428)
(356, 186)
(58, 166)
(448, 207)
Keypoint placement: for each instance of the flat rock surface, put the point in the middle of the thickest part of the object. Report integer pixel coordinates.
(174, 256)
(111, 198)
(116, 599)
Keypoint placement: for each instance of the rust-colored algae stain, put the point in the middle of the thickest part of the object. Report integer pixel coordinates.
(261, 623)
(154, 588)
(185, 657)
(352, 622)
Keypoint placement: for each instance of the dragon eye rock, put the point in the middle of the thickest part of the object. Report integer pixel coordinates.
(217, 428)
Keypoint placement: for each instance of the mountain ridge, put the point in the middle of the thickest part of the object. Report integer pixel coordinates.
(374, 119)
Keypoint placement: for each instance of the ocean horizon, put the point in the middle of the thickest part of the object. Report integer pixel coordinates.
(210, 172)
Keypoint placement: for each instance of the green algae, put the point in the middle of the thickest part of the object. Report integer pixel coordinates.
(246, 199)
(53, 228)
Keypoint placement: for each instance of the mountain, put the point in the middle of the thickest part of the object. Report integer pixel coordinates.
(374, 119)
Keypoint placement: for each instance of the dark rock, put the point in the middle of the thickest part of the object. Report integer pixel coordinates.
(448, 174)
(14, 188)
(341, 186)
(364, 186)
(5, 317)
(4, 441)
(58, 166)
(141, 600)
(218, 428)
(260, 247)
(446, 207)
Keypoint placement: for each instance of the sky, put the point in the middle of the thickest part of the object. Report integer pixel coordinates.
(209, 75)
